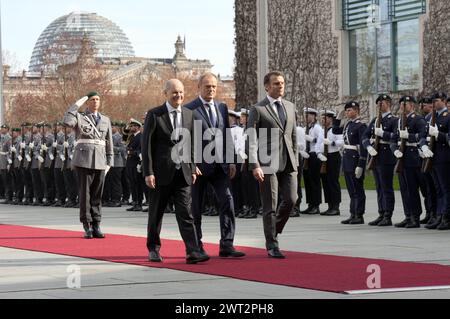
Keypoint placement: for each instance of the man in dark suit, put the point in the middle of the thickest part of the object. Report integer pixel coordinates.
(212, 166)
(133, 165)
(273, 158)
(168, 167)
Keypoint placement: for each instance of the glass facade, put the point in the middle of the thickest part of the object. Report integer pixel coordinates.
(384, 51)
(108, 39)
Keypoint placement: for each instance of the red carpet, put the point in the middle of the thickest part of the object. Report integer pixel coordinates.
(301, 270)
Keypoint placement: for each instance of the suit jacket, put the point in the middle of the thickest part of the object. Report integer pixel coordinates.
(262, 116)
(201, 115)
(157, 146)
(134, 150)
(90, 156)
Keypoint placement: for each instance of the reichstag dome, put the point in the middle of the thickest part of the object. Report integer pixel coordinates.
(108, 39)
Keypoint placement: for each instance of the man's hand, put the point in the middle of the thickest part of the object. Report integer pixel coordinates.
(44, 147)
(404, 134)
(359, 172)
(31, 145)
(304, 154)
(398, 154)
(66, 144)
(427, 152)
(373, 152)
(22, 145)
(309, 138)
(258, 174)
(81, 101)
(379, 132)
(150, 181)
(198, 172)
(13, 149)
(434, 131)
(107, 169)
(327, 142)
(55, 144)
(194, 179)
(322, 158)
(41, 159)
(232, 171)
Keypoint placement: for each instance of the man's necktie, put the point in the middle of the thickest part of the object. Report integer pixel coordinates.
(212, 117)
(175, 122)
(281, 113)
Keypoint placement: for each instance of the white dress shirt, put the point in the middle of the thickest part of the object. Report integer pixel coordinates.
(316, 132)
(337, 142)
(301, 142)
(212, 107)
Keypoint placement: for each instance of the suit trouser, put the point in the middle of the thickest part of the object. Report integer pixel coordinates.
(7, 183)
(442, 180)
(251, 195)
(330, 180)
(48, 180)
(220, 182)
(311, 176)
(409, 185)
(299, 182)
(38, 185)
(356, 193)
(276, 216)
(91, 184)
(384, 180)
(72, 185)
(236, 188)
(159, 198)
(61, 193)
(18, 183)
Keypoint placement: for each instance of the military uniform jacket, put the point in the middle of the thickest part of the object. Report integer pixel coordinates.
(37, 141)
(120, 151)
(356, 155)
(28, 152)
(17, 157)
(60, 151)
(49, 156)
(442, 149)
(71, 150)
(90, 155)
(417, 129)
(5, 146)
(386, 148)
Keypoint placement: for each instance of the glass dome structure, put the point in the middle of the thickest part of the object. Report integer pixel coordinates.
(108, 40)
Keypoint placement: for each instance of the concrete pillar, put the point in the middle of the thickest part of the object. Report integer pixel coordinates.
(263, 45)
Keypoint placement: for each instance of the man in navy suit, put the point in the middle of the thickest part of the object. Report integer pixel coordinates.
(212, 168)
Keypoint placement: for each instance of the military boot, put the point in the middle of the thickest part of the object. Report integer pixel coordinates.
(347, 221)
(358, 220)
(445, 224)
(426, 219)
(403, 223)
(387, 220)
(378, 220)
(413, 223)
(434, 222)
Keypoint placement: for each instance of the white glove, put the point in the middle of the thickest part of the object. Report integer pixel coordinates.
(44, 148)
(9, 162)
(140, 157)
(372, 152)
(20, 158)
(304, 154)
(359, 172)
(243, 155)
(379, 132)
(41, 159)
(327, 142)
(322, 158)
(28, 157)
(8, 167)
(404, 134)
(54, 144)
(309, 138)
(71, 157)
(66, 144)
(51, 157)
(434, 131)
(107, 169)
(22, 145)
(427, 152)
(31, 145)
(398, 154)
(63, 158)
(13, 149)
(81, 101)
(139, 168)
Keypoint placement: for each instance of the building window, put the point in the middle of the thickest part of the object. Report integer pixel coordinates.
(384, 44)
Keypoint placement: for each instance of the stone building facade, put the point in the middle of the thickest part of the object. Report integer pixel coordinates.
(331, 52)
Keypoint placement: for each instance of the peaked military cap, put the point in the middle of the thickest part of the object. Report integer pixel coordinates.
(16, 129)
(245, 112)
(383, 97)
(440, 95)
(408, 98)
(26, 124)
(134, 122)
(426, 100)
(92, 94)
(234, 113)
(310, 110)
(352, 104)
(329, 113)
(5, 126)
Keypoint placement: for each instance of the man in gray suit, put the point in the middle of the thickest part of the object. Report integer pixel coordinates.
(92, 159)
(273, 158)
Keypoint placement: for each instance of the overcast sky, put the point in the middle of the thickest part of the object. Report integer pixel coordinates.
(151, 25)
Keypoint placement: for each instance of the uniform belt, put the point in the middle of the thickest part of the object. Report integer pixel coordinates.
(351, 147)
(88, 141)
(4, 153)
(409, 144)
(385, 143)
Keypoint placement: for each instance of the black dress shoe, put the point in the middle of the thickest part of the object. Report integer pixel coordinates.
(252, 215)
(358, 220)
(387, 221)
(231, 253)
(96, 231)
(146, 210)
(295, 214)
(275, 253)
(196, 257)
(88, 232)
(413, 224)
(378, 220)
(347, 221)
(426, 219)
(403, 223)
(116, 204)
(445, 224)
(434, 222)
(155, 257)
(332, 212)
(313, 211)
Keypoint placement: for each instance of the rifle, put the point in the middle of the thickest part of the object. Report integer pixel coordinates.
(372, 163)
(55, 140)
(427, 163)
(400, 162)
(22, 149)
(324, 167)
